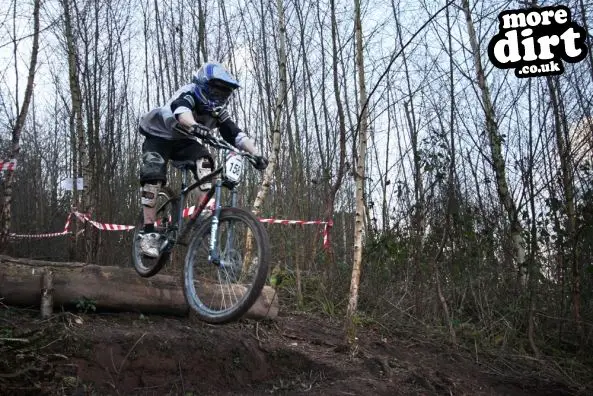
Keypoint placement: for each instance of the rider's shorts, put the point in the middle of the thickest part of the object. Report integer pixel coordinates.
(156, 152)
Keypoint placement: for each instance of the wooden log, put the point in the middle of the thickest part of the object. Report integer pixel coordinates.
(109, 288)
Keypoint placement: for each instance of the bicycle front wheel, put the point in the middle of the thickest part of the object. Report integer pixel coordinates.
(223, 291)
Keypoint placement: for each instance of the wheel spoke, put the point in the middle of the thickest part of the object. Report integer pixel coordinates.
(219, 293)
(222, 293)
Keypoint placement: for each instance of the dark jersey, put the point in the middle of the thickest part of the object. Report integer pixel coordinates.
(161, 122)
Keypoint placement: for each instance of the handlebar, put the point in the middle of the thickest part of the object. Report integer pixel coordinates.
(206, 137)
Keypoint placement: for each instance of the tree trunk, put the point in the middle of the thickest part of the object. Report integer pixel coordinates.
(495, 141)
(109, 288)
(17, 128)
(298, 265)
(451, 191)
(359, 176)
(567, 176)
(47, 293)
(202, 33)
(532, 264)
(329, 211)
(80, 168)
(269, 173)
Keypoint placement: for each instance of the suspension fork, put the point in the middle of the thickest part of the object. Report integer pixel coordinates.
(231, 235)
(184, 184)
(213, 257)
(233, 198)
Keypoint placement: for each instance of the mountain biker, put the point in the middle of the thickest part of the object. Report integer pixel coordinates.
(202, 103)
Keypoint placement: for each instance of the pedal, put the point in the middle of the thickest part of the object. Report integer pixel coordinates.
(166, 247)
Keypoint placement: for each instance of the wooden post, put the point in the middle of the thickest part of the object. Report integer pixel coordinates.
(47, 300)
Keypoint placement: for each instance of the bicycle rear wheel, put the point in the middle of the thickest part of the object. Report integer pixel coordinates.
(166, 218)
(224, 292)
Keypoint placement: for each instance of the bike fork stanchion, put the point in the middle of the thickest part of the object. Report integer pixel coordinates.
(213, 256)
(184, 177)
(233, 198)
(230, 235)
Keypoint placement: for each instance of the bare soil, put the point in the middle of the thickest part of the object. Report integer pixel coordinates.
(132, 354)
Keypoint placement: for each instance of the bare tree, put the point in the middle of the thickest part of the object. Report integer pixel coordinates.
(17, 127)
(280, 102)
(567, 177)
(329, 210)
(495, 141)
(359, 177)
(81, 164)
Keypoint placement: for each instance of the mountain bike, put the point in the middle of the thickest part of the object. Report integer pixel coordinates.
(228, 254)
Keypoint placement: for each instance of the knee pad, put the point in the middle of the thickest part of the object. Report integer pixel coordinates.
(204, 167)
(153, 168)
(150, 192)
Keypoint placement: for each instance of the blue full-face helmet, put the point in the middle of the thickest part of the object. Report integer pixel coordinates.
(214, 85)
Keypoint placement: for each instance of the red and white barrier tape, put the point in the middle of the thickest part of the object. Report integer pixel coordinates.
(103, 226)
(8, 165)
(51, 235)
(301, 222)
(83, 217)
(326, 226)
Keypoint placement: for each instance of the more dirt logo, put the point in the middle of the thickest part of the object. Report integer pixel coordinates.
(535, 41)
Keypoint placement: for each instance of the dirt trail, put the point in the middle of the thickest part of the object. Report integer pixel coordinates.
(129, 354)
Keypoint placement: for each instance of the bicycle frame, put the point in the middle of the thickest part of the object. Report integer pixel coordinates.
(179, 230)
(239, 245)
(177, 223)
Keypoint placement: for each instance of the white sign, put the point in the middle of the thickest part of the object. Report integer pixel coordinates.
(67, 184)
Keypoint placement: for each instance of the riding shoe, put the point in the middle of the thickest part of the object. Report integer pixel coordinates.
(149, 244)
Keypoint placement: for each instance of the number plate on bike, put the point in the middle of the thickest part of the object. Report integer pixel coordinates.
(234, 168)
